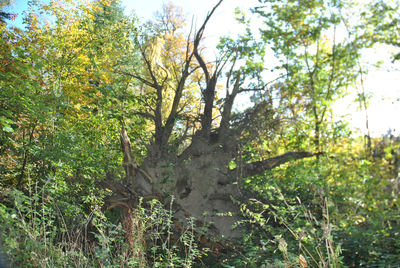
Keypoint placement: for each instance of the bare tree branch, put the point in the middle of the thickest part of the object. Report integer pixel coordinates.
(226, 113)
(258, 167)
(197, 40)
(148, 65)
(141, 79)
(177, 98)
(228, 79)
(202, 65)
(129, 165)
(209, 92)
(208, 95)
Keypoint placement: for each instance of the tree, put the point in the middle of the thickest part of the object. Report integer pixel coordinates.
(65, 94)
(20, 115)
(378, 24)
(164, 46)
(316, 62)
(5, 15)
(198, 174)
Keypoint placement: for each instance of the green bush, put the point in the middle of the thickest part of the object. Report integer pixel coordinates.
(45, 228)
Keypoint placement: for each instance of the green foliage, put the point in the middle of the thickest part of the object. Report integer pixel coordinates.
(370, 230)
(378, 21)
(316, 64)
(290, 220)
(337, 211)
(68, 103)
(42, 223)
(49, 227)
(64, 98)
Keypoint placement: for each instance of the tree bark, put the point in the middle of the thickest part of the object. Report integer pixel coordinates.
(258, 167)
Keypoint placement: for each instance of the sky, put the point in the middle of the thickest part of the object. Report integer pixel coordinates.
(221, 23)
(383, 85)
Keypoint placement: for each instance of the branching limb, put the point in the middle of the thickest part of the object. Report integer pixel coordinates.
(198, 37)
(211, 80)
(149, 67)
(258, 167)
(226, 113)
(178, 96)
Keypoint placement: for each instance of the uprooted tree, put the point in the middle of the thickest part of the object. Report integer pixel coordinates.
(192, 164)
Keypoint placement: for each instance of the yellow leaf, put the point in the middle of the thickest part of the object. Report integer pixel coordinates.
(302, 261)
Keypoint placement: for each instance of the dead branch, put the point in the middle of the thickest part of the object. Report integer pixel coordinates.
(258, 167)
